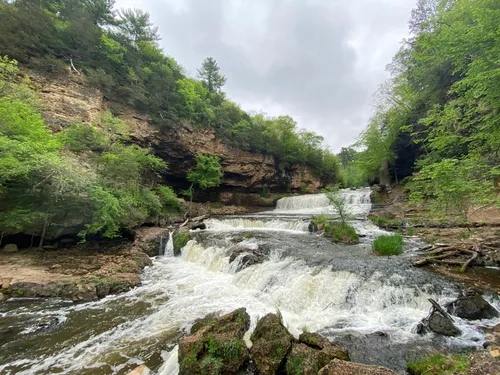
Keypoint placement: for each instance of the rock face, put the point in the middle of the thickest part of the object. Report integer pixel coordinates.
(437, 323)
(217, 348)
(74, 100)
(339, 367)
(312, 353)
(271, 344)
(246, 257)
(472, 307)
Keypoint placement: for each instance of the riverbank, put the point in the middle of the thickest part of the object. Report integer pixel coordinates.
(480, 233)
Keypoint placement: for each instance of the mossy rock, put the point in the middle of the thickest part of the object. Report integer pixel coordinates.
(271, 344)
(217, 345)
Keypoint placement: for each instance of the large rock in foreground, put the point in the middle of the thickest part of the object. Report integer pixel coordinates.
(442, 325)
(312, 353)
(217, 348)
(472, 307)
(271, 344)
(339, 367)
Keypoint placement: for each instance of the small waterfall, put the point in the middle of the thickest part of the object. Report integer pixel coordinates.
(169, 247)
(357, 201)
(161, 248)
(257, 224)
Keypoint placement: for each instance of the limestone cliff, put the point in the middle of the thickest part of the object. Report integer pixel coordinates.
(74, 100)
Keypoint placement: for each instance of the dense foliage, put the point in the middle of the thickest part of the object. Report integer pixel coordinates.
(87, 176)
(119, 53)
(388, 244)
(438, 116)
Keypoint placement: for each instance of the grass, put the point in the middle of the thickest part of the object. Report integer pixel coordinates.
(388, 244)
(181, 239)
(249, 235)
(440, 365)
(464, 235)
(319, 221)
(342, 233)
(383, 221)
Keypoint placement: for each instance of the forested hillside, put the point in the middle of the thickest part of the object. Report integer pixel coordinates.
(91, 175)
(437, 123)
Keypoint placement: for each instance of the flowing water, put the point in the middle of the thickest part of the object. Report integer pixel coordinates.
(369, 304)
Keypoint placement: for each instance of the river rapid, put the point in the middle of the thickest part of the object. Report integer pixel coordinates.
(369, 304)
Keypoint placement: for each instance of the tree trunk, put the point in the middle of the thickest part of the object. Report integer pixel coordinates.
(32, 239)
(385, 178)
(1, 239)
(191, 193)
(44, 230)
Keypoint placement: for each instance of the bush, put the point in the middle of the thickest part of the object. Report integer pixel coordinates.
(439, 365)
(388, 244)
(319, 221)
(343, 233)
(181, 239)
(383, 221)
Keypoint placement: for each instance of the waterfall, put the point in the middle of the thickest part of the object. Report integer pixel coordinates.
(256, 223)
(357, 202)
(169, 247)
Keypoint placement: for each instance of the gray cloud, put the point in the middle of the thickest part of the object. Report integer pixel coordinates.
(317, 60)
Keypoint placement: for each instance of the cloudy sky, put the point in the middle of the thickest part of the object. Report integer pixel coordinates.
(317, 60)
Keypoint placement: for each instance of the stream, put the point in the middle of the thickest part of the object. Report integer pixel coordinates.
(368, 303)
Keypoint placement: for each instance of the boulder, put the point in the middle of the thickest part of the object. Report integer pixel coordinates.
(247, 257)
(48, 322)
(10, 248)
(329, 349)
(312, 353)
(442, 325)
(339, 367)
(473, 307)
(271, 344)
(217, 347)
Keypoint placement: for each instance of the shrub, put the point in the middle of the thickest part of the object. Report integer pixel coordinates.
(383, 221)
(343, 233)
(319, 221)
(439, 365)
(388, 244)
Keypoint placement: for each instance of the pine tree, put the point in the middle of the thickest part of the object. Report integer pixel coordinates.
(210, 75)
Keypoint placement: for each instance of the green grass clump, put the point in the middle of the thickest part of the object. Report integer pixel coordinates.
(440, 365)
(319, 221)
(388, 244)
(181, 239)
(342, 233)
(249, 235)
(383, 221)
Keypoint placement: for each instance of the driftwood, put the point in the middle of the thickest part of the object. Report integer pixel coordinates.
(440, 254)
(437, 307)
(193, 220)
(73, 67)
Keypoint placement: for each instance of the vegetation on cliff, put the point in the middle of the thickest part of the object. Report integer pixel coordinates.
(119, 52)
(88, 175)
(437, 119)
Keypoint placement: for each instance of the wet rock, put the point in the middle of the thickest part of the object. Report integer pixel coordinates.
(5, 283)
(216, 348)
(196, 225)
(271, 344)
(142, 259)
(102, 290)
(3, 297)
(55, 267)
(473, 307)
(203, 322)
(329, 349)
(339, 367)
(440, 324)
(141, 370)
(10, 248)
(247, 257)
(48, 322)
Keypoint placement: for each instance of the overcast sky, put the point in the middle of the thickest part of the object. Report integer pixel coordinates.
(317, 60)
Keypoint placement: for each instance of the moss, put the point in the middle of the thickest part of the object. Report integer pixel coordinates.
(20, 292)
(388, 244)
(211, 366)
(342, 233)
(181, 239)
(440, 365)
(249, 235)
(294, 365)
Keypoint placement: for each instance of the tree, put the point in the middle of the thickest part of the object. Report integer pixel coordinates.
(205, 174)
(210, 75)
(136, 25)
(336, 199)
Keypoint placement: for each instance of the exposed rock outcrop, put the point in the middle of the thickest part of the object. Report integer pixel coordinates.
(74, 100)
(246, 256)
(271, 344)
(440, 324)
(339, 367)
(216, 348)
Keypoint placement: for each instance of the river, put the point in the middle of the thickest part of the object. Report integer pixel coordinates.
(369, 304)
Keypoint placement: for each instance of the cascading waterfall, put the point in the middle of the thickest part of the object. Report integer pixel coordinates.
(169, 247)
(340, 291)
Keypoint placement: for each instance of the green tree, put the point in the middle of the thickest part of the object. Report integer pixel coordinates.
(205, 174)
(210, 75)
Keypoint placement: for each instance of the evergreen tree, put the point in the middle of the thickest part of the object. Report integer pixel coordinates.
(210, 75)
